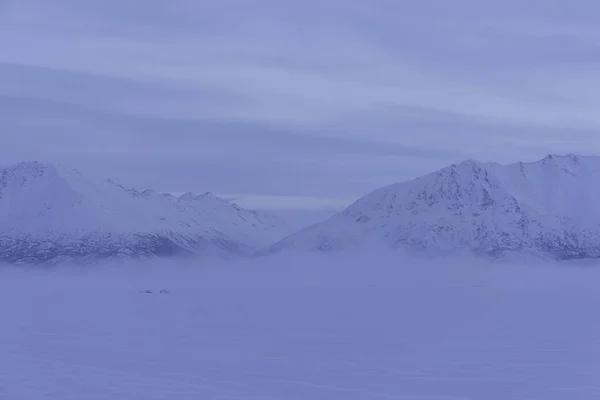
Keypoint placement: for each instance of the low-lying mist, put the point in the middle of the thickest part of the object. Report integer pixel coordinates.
(298, 326)
(353, 269)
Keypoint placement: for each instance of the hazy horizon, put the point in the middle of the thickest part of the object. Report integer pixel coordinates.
(316, 101)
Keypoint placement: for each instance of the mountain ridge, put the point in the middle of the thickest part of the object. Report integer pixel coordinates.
(49, 213)
(547, 207)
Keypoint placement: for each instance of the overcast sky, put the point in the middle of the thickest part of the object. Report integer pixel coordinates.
(318, 101)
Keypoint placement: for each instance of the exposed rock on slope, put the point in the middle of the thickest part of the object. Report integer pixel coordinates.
(49, 213)
(550, 208)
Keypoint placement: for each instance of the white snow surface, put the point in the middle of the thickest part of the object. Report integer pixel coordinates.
(322, 328)
(51, 202)
(548, 208)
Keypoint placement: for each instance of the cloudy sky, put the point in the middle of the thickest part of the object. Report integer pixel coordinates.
(299, 103)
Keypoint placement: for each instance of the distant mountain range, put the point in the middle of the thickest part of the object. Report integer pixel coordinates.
(49, 213)
(550, 208)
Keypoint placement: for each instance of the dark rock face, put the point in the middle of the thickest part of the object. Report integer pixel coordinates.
(98, 247)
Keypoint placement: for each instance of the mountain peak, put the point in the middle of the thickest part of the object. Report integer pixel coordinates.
(31, 168)
(49, 212)
(29, 175)
(189, 196)
(560, 157)
(548, 207)
(471, 163)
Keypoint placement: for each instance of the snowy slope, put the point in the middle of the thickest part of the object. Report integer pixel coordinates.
(548, 208)
(50, 213)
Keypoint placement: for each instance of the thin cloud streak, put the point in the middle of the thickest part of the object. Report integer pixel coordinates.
(321, 99)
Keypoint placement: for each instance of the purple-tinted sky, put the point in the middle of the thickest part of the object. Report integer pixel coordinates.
(316, 100)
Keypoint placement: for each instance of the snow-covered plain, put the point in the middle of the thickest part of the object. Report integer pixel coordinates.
(302, 328)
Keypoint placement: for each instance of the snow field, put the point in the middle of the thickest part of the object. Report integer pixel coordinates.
(365, 327)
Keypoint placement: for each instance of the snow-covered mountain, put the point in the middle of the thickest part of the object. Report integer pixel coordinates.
(549, 208)
(49, 213)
